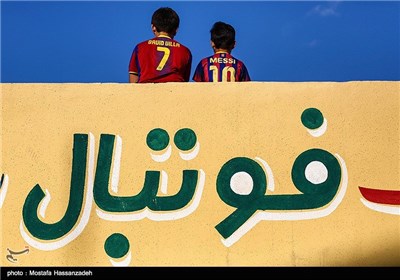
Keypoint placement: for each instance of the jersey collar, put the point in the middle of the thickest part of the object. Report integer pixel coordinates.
(164, 36)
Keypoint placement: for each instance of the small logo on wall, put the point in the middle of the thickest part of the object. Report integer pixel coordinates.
(12, 255)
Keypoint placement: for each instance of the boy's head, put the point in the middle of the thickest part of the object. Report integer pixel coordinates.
(165, 20)
(223, 36)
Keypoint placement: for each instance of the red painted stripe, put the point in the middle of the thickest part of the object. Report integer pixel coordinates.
(381, 196)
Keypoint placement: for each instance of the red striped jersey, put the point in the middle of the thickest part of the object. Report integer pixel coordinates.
(221, 67)
(160, 60)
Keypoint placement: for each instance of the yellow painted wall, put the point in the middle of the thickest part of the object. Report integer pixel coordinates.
(255, 120)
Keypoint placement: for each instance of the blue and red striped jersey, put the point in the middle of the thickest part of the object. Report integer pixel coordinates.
(160, 60)
(221, 67)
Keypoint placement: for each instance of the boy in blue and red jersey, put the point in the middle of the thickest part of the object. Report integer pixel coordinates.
(161, 59)
(222, 66)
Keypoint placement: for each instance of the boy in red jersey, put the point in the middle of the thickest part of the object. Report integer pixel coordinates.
(222, 66)
(161, 59)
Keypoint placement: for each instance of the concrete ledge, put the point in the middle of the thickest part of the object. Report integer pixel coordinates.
(189, 174)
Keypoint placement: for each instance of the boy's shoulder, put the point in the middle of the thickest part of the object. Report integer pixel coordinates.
(178, 42)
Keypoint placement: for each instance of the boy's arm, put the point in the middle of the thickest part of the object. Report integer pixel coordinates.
(188, 68)
(133, 78)
(133, 68)
(187, 73)
(198, 75)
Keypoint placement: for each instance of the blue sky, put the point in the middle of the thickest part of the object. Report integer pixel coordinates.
(91, 42)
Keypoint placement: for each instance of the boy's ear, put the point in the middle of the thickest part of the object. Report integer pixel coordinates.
(234, 45)
(212, 44)
(153, 28)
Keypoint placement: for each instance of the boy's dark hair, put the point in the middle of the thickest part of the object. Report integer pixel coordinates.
(165, 20)
(223, 35)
